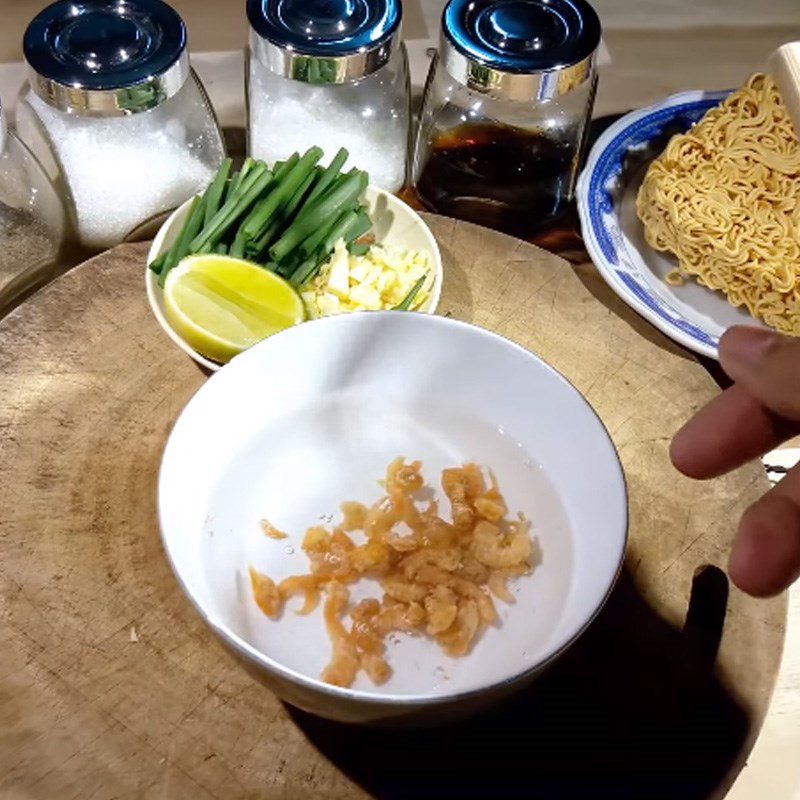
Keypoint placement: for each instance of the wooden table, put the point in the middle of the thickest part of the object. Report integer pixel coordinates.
(111, 685)
(656, 49)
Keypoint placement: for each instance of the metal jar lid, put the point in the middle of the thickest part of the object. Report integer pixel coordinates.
(106, 58)
(324, 41)
(520, 49)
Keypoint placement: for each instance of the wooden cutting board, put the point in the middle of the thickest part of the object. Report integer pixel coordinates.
(110, 685)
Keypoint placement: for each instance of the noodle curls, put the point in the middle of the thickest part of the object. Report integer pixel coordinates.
(724, 199)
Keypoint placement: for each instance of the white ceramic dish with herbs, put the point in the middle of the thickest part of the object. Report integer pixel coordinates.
(394, 225)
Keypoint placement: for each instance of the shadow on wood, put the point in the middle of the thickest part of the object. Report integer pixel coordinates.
(631, 711)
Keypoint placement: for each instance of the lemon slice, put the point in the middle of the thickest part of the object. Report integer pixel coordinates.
(222, 305)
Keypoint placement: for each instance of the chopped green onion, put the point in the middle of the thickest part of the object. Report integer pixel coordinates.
(329, 175)
(308, 269)
(216, 189)
(158, 264)
(181, 247)
(406, 302)
(237, 248)
(318, 213)
(358, 248)
(235, 207)
(281, 194)
(248, 165)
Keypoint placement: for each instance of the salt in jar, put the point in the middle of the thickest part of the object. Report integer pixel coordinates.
(331, 73)
(115, 112)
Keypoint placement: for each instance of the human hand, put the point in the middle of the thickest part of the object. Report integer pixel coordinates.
(761, 410)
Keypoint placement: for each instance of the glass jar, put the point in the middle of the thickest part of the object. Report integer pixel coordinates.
(32, 221)
(505, 112)
(330, 73)
(115, 113)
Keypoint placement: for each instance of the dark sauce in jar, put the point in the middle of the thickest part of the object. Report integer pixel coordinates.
(516, 181)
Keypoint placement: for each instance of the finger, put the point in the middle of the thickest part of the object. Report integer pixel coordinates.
(765, 558)
(766, 364)
(728, 432)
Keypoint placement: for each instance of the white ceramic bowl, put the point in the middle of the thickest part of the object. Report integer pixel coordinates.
(311, 417)
(393, 223)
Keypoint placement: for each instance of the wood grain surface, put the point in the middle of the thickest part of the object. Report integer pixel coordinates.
(111, 686)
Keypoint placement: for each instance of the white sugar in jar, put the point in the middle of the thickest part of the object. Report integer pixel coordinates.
(115, 112)
(330, 73)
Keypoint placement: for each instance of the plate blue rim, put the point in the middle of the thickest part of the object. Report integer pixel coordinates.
(599, 216)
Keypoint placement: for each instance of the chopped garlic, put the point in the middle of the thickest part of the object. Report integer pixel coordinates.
(365, 296)
(381, 279)
(339, 273)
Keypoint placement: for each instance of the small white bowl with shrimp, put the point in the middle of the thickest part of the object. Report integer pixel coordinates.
(311, 417)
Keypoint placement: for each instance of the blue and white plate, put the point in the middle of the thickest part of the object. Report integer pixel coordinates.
(692, 315)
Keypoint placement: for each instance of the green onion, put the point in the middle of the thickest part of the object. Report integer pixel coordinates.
(289, 216)
(297, 198)
(358, 248)
(157, 265)
(216, 189)
(348, 226)
(329, 175)
(281, 194)
(283, 167)
(255, 247)
(253, 176)
(235, 207)
(248, 165)
(313, 242)
(287, 267)
(237, 248)
(226, 194)
(317, 213)
(306, 271)
(360, 227)
(181, 247)
(340, 229)
(406, 302)
(333, 186)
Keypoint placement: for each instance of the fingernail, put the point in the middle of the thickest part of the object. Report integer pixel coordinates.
(748, 345)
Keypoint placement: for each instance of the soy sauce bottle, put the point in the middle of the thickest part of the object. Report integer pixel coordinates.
(505, 113)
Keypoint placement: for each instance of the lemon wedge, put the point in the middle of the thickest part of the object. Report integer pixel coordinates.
(222, 305)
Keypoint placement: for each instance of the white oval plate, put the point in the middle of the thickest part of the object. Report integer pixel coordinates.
(393, 222)
(311, 417)
(691, 315)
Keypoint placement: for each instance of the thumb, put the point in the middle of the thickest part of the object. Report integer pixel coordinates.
(766, 365)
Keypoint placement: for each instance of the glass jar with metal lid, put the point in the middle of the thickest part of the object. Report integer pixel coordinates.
(115, 112)
(32, 221)
(506, 110)
(331, 73)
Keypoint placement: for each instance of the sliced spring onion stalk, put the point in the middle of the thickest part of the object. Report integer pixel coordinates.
(406, 302)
